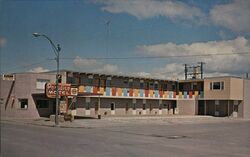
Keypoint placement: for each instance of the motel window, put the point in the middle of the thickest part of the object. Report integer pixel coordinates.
(96, 82)
(147, 85)
(130, 84)
(108, 83)
(82, 80)
(103, 83)
(90, 81)
(173, 86)
(156, 87)
(40, 83)
(165, 87)
(151, 85)
(42, 104)
(112, 106)
(216, 85)
(194, 86)
(141, 85)
(125, 81)
(71, 80)
(160, 87)
(23, 103)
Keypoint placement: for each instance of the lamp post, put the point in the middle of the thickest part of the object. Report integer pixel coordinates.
(56, 49)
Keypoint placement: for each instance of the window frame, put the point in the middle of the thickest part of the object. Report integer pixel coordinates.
(20, 103)
(220, 84)
(165, 87)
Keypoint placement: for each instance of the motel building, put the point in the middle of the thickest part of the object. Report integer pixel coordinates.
(32, 95)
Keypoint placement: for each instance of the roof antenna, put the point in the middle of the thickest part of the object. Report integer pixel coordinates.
(107, 23)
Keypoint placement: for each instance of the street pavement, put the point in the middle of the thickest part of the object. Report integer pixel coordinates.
(128, 137)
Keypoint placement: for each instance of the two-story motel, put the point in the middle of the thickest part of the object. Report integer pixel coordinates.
(23, 95)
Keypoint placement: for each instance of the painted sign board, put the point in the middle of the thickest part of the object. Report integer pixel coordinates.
(63, 89)
(63, 107)
(9, 77)
(74, 91)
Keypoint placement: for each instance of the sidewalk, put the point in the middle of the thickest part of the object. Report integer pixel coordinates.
(127, 121)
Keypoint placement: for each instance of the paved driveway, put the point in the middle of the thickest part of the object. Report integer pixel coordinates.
(124, 137)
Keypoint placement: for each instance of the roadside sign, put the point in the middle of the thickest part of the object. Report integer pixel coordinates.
(63, 89)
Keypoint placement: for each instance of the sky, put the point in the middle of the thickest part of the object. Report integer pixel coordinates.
(126, 37)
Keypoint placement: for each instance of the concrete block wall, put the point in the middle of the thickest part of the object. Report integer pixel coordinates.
(11, 109)
(151, 107)
(24, 87)
(187, 107)
(246, 99)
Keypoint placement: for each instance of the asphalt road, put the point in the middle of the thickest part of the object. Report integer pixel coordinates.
(225, 139)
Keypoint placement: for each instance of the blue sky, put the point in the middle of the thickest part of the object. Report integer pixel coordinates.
(137, 28)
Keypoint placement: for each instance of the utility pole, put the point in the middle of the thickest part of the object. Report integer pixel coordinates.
(186, 70)
(56, 49)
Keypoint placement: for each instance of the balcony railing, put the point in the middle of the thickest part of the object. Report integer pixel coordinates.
(140, 93)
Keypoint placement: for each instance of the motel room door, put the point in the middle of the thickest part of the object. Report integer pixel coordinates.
(201, 107)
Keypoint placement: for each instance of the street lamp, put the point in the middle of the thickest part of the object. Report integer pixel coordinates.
(56, 49)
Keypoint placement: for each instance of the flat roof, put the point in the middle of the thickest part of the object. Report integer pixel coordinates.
(214, 77)
(128, 76)
(122, 76)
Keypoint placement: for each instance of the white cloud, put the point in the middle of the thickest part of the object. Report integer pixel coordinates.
(167, 72)
(3, 41)
(142, 74)
(38, 70)
(108, 68)
(235, 15)
(223, 35)
(92, 65)
(143, 9)
(224, 64)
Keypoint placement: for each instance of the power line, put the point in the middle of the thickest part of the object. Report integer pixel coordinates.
(26, 66)
(161, 57)
(129, 58)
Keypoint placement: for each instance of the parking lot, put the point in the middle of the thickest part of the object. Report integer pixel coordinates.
(134, 136)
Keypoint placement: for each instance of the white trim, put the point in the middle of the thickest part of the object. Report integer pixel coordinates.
(87, 112)
(112, 112)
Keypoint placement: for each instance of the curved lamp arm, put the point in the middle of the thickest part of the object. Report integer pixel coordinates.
(57, 48)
